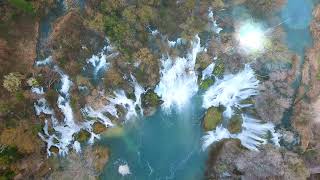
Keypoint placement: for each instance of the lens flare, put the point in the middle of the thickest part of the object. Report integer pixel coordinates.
(251, 37)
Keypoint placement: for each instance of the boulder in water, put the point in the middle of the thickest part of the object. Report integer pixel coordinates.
(212, 118)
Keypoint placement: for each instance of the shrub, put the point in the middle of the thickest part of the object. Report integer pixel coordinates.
(23, 5)
(12, 82)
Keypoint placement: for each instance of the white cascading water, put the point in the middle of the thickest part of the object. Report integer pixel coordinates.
(121, 99)
(44, 62)
(253, 134)
(64, 131)
(231, 90)
(214, 26)
(178, 82)
(99, 62)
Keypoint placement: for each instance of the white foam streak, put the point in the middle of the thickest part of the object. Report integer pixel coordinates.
(99, 62)
(41, 106)
(230, 90)
(37, 90)
(45, 62)
(89, 112)
(215, 136)
(178, 82)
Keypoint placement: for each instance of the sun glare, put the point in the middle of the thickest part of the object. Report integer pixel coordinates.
(251, 37)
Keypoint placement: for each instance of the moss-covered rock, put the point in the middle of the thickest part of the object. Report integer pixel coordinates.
(205, 84)
(218, 69)
(150, 101)
(82, 136)
(150, 98)
(235, 124)
(54, 149)
(98, 128)
(212, 118)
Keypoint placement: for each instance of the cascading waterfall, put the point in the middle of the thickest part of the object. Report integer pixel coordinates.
(99, 63)
(64, 130)
(231, 90)
(178, 82)
(253, 134)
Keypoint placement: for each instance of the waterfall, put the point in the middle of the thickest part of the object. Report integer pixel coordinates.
(121, 99)
(98, 63)
(231, 90)
(253, 134)
(178, 82)
(64, 130)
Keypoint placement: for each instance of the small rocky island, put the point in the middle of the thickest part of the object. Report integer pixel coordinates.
(159, 89)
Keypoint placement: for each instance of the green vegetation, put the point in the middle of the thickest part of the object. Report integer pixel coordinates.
(8, 155)
(23, 5)
(33, 82)
(212, 118)
(6, 175)
(150, 99)
(205, 84)
(218, 69)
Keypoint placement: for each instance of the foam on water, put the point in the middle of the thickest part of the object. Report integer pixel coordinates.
(37, 90)
(178, 82)
(130, 105)
(124, 170)
(253, 134)
(231, 90)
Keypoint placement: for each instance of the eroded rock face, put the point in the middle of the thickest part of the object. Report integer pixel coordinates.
(276, 94)
(271, 163)
(228, 160)
(220, 164)
(82, 166)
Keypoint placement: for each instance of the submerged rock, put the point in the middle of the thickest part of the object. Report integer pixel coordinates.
(212, 118)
